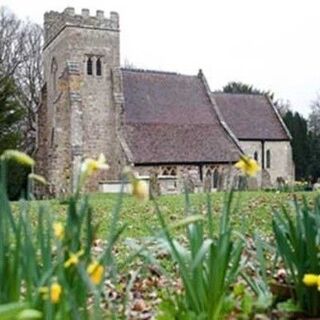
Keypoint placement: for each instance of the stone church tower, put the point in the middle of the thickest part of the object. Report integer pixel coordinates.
(81, 101)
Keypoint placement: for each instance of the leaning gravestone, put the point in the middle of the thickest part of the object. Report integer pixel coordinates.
(154, 185)
(265, 179)
(242, 183)
(221, 180)
(207, 183)
(252, 183)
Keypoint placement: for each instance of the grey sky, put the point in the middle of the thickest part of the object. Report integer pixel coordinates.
(272, 44)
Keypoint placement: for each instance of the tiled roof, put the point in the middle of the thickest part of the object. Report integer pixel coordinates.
(168, 118)
(250, 117)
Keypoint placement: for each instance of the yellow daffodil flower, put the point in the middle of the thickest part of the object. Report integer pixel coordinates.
(55, 292)
(19, 157)
(89, 166)
(58, 230)
(248, 166)
(73, 259)
(140, 189)
(311, 280)
(37, 178)
(95, 272)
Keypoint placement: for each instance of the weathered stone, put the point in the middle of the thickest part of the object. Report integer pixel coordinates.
(78, 116)
(252, 183)
(265, 179)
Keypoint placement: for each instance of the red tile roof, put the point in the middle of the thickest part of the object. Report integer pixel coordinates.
(169, 118)
(251, 117)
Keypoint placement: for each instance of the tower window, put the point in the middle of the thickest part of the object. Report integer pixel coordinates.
(52, 137)
(99, 67)
(268, 162)
(255, 156)
(54, 69)
(89, 66)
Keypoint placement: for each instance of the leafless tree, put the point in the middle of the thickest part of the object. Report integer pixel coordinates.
(283, 106)
(20, 58)
(314, 117)
(29, 80)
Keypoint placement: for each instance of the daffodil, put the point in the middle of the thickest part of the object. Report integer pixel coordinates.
(248, 166)
(37, 178)
(58, 230)
(73, 259)
(89, 166)
(95, 271)
(55, 292)
(19, 157)
(310, 280)
(140, 189)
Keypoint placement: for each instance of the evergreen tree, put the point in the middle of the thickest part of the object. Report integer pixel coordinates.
(11, 115)
(240, 87)
(300, 143)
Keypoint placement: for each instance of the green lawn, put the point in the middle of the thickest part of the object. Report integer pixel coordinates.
(252, 213)
(253, 210)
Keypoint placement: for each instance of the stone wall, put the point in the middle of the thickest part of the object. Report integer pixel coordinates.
(281, 162)
(207, 177)
(249, 148)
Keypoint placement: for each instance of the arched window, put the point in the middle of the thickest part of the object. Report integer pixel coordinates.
(255, 156)
(268, 159)
(54, 70)
(216, 178)
(169, 171)
(99, 67)
(89, 66)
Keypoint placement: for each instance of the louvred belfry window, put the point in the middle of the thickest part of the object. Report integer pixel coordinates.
(99, 67)
(89, 66)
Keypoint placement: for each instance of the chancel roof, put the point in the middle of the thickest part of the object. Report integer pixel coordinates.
(251, 116)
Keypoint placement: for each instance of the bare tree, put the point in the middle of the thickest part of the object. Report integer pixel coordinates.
(11, 42)
(283, 106)
(20, 58)
(314, 117)
(29, 80)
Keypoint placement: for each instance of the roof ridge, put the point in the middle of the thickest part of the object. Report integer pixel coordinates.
(238, 93)
(229, 133)
(150, 71)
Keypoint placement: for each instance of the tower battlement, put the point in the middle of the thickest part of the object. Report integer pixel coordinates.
(55, 21)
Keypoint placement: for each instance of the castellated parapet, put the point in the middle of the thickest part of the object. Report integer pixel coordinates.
(55, 22)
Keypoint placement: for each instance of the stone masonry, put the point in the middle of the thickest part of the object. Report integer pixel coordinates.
(80, 107)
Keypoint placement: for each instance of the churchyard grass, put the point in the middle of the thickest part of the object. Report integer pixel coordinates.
(254, 210)
(192, 256)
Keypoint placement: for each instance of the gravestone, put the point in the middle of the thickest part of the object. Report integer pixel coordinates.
(207, 182)
(252, 183)
(265, 179)
(154, 185)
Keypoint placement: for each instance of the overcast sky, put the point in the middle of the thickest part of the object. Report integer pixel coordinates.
(272, 44)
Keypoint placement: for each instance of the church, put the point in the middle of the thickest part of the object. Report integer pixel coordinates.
(162, 123)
